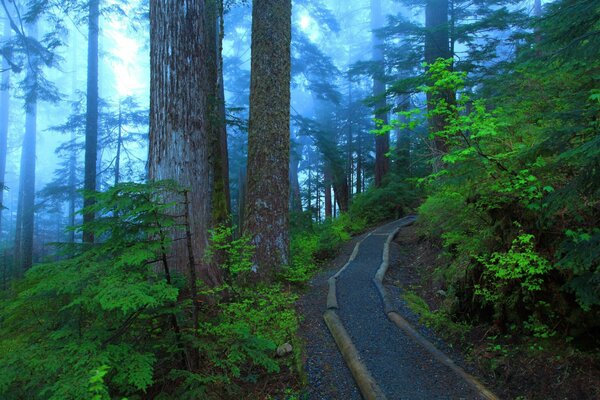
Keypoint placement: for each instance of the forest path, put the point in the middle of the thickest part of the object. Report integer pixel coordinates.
(400, 367)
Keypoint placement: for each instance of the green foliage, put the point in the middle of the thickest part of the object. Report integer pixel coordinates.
(515, 202)
(512, 277)
(438, 320)
(91, 308)
(233, 255)
(114, 304)
(390, 201)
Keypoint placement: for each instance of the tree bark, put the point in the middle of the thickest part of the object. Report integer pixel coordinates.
(91, 121)
(27, 172)
(295, 198)
(4, 107)
(119, 140)
(269, 136)
(219, 154)
(182, 127)
(328, 208)
(382, 142)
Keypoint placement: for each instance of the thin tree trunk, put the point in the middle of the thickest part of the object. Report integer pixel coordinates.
(4, 107)
(382, 142)
(296, 200)
(119, 140)
(91, 122)
(28, 157)
(328, 210)
(267, 203)
(359, 164)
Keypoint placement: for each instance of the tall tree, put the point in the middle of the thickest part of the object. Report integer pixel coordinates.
(267, 202)
(219, 157)
(91, 127)
(24, 241)
(437, 45)
(382, 142)
(4, 104)
(183, 71)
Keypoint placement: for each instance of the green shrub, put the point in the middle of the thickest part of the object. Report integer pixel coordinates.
(393, 200)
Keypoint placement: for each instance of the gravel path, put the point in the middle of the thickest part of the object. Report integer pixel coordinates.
(327, 376)
(401, 368)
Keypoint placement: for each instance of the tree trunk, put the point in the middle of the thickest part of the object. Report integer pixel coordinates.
(27, 172)
(119, 140)
(359, 164)
(382, 142)
(269, 136)
(437, 45)
(328, 210)
(182, 71)
(91, 122)
(220, 197)
(296, 200)
(4, 104)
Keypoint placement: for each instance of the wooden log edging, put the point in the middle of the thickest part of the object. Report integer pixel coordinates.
(363, 378)
(366, 384)
(394, 316)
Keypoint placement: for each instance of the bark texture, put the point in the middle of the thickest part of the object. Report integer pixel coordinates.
(24, 239)
(91, 122)
(182, 119)
(269, 135)
(382, 142)
(4, 106)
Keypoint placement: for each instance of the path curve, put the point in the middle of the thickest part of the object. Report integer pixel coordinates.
(386, 359)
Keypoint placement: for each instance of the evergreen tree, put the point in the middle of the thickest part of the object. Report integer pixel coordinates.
(182, 121)
(91, 124)
(267, 204)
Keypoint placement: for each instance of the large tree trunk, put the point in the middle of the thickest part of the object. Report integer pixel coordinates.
(4, 103)
(182, 127)
(382, 142)
(269, 135)
(215, 30)
(437, 45)
(91, 122)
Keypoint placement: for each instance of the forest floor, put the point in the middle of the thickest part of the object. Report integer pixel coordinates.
(514, 367)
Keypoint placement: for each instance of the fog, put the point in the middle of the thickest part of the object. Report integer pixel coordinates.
(332, 108)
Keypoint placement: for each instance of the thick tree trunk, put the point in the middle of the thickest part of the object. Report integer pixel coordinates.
(437, 45)
(91, 122)
(269, 135)
(4, 104)
(382, 142)
(182, 127)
